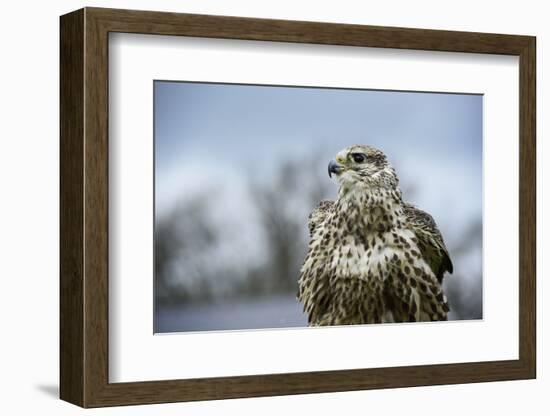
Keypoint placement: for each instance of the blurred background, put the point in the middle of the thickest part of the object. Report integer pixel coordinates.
(238, 169)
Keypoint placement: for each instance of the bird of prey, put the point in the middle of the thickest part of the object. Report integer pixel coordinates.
(372, 257)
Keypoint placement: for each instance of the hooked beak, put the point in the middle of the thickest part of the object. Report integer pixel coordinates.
(334, 167)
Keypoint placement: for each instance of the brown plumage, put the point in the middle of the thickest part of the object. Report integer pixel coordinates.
(372, 257)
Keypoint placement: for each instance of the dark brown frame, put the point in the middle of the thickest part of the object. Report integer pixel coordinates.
(84, 209)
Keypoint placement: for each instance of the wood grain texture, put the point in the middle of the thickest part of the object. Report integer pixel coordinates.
(96, 208)
(162, 23)
(84, 207)
(71, 213)
(527, 208)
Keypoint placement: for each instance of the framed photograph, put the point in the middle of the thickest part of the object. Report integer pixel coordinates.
(254, 207)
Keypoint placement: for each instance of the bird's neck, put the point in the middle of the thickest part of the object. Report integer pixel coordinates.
(372, 209)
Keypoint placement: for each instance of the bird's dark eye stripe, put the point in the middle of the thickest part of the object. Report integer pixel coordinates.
(359, 157)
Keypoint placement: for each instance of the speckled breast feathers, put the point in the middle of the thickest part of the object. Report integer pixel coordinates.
(372, 258)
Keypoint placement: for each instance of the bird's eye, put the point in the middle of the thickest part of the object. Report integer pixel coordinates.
(358, 157)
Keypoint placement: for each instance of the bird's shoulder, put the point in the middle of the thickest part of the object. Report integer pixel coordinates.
(430, 240)
(319, 214)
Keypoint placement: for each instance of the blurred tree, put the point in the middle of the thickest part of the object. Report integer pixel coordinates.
(180, 237)
(284, 207)
(464, 288)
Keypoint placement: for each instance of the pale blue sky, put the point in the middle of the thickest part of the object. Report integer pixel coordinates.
(236, 119)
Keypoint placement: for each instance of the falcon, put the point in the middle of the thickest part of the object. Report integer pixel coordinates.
(372, 258)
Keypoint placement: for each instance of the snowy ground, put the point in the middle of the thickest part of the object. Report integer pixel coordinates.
(270, 312)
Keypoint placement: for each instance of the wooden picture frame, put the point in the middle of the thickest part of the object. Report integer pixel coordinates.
(84, 207)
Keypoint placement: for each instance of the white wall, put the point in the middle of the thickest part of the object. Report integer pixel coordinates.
(29, 210)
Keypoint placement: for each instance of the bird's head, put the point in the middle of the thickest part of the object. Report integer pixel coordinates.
(362, 165)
